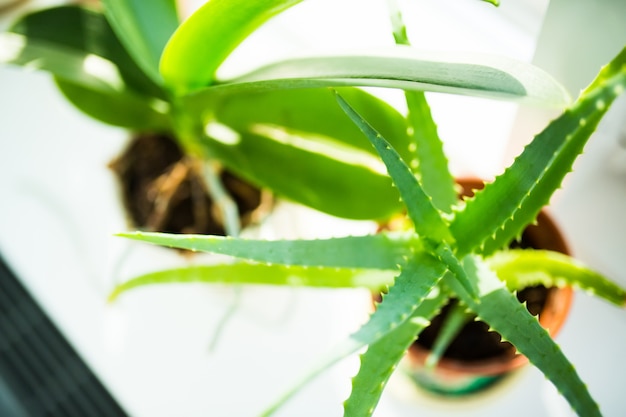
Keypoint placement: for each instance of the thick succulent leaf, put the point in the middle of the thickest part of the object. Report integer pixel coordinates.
(524, 268)
(78, 33)
(417, 279)
(382, 357)
(426, 218)
(384, 250)
(208, 36)
(314, 113)
(501, 310)
(260, 274)
(500, 212)
(124, 110)
(301, 169)
(144, 27)
(404, 68)
(428, 160)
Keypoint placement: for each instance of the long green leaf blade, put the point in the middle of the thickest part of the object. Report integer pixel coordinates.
(417, 279)
(524, 332)
(345, 184)
(144, 28)
(260, 274)
(207, 37)
(428, 161)
(426, 218)
(385, 250)
(124, 110)
(382, 357)
(404, 68)
(524, 268)
(301, 111)
(498, 213)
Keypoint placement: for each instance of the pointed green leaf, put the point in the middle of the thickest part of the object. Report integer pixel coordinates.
(385, 250)
(524, 268)
(415, 283)
(144, 27)
(498, 213)
(382, 357)
(259, 274)
(404, 68)
(428, 160)
(208, 36)
(524, 332)
(426, 218)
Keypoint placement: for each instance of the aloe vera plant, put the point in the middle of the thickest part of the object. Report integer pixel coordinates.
(453, 250)
(159, 75)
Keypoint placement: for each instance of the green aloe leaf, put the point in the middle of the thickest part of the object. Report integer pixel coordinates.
(383, 356)
(385, 250)
(524, 268)
(426, 218)
(404, 68)
(259, 274)
(206, 38)
(419, 275)
(499, 213)
(524, 332)
(428, 160)
(144, 27)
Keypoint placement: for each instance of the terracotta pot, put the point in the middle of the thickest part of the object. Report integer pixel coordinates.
(454, 376)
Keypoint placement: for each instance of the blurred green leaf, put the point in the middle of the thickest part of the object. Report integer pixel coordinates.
(144, 27)
(521, 268)
(208, 36)
(76, 33)
(314, 112)
(91, 67)
(259, 274)
(124, 110)
(404, 68)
